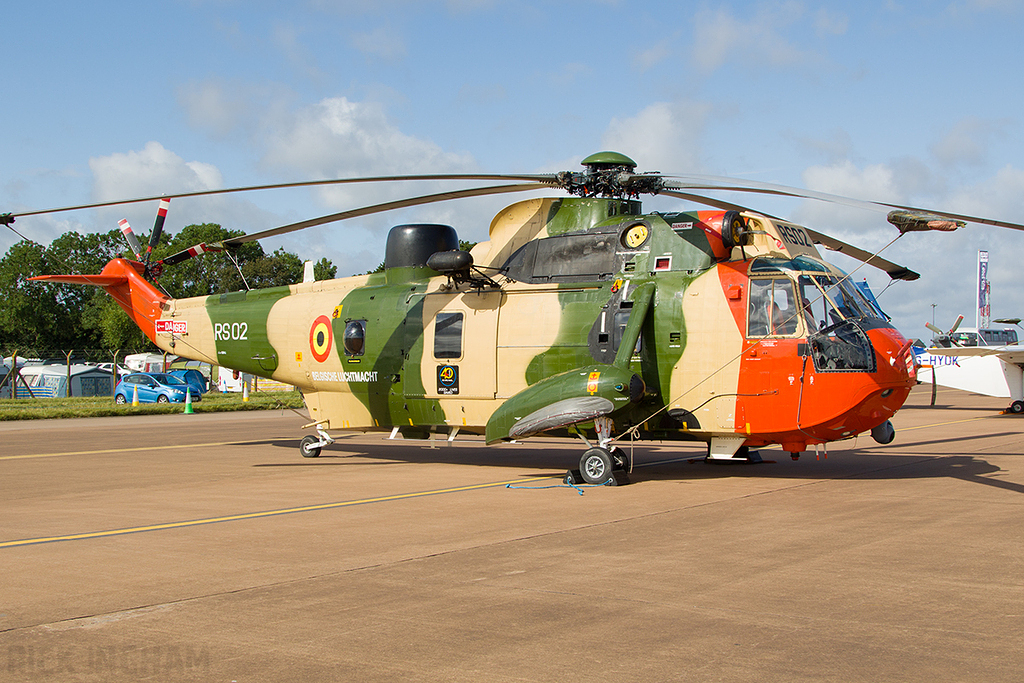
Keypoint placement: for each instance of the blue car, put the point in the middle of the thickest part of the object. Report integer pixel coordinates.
(194, 378)
(153, 387)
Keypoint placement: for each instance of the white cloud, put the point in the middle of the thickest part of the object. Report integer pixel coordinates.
(968, 141)
(155, 170)
(208, 105)
(338, 137)
(663, 136)
(874, 182)
(834, 146)
(150, 170)
(721, 37)
(224, 107)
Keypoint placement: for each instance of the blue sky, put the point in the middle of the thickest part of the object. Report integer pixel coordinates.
(910, 102)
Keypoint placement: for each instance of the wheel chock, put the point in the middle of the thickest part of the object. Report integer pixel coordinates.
(573, 477)
(617, 478)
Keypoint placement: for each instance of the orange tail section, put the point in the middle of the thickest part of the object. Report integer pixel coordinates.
(123, 280)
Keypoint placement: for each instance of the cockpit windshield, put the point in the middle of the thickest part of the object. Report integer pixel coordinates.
(826, 295)
(825, 306)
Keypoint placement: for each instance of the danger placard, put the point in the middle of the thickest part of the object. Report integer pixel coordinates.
(172, 327)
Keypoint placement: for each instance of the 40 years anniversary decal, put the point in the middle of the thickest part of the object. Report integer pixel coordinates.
(321, 338)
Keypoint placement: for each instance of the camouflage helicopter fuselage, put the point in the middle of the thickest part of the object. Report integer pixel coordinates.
(594, 311)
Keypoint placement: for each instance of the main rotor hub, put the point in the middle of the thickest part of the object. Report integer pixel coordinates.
(603, 161)
(609, 174)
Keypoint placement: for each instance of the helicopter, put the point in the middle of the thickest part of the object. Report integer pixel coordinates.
(580, 316)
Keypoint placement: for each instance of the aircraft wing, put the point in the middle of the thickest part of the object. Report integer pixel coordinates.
(1010, 354)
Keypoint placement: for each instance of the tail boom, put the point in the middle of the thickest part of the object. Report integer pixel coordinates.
(123, 280)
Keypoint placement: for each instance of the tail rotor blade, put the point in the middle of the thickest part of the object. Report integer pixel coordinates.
(158, 227)
(191, 252)
(133, 241)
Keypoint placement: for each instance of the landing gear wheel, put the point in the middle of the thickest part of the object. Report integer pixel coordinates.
(310, 446)
(162, 399)
(620, 460)
(120, 400)
(1017, 407)
(596, 466)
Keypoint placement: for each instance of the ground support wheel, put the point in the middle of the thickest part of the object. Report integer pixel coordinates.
(1017, 407)
(596, 466)
(310, 446)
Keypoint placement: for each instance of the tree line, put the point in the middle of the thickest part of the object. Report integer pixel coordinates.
(46, 317)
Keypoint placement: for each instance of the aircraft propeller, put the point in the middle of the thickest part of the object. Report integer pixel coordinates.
(945, 338)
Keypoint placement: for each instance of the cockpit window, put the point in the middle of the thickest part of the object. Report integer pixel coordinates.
(772, 308)
(781, 265)
(818, 309)
(844, 298)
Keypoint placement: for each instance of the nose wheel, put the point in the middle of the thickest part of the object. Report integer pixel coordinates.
(596, 466)
(601, 466)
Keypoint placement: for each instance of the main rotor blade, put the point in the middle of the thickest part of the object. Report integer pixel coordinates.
(380, 208)
(896, 272)
(543, 179)
(708, 201)
(718, 183)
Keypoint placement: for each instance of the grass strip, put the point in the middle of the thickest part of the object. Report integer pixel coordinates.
(104, 406)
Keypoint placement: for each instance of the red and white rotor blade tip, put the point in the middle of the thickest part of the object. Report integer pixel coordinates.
(133, 241)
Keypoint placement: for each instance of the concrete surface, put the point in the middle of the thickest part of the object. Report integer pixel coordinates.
(203, 547)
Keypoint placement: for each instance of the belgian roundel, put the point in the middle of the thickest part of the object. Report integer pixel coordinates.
(321, 338)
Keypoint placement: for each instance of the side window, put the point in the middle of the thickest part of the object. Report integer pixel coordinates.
(355, 337)
(758, 306)
(772, 309)
(784, 309)
(448, 335)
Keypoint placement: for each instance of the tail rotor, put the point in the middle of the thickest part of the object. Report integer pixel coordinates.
(154, 238)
